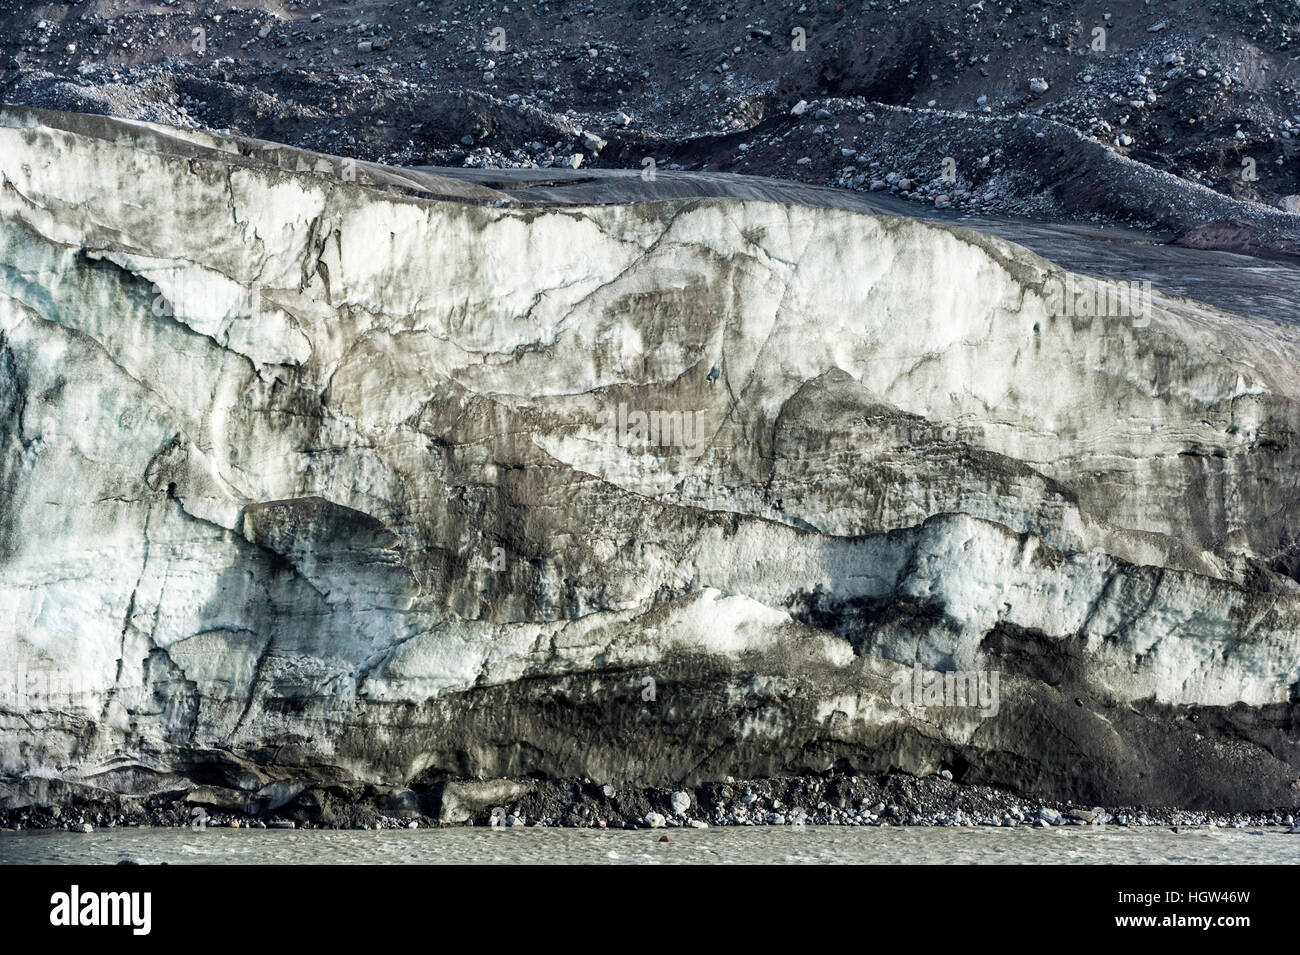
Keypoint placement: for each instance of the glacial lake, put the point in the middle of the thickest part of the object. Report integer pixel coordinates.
(752, 845)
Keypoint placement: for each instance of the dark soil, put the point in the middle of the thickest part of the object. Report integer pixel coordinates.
(1199, 92)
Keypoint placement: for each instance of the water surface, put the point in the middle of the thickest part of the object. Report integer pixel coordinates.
(754, 845)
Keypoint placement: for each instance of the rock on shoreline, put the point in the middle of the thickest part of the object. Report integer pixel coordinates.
(834, 800)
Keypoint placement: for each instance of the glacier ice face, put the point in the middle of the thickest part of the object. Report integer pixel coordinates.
(307, 478)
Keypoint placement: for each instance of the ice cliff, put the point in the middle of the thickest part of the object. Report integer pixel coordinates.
(311, 471)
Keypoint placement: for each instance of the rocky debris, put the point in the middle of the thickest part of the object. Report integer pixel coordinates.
(832, 800)
(1193, 97)
(462, 800)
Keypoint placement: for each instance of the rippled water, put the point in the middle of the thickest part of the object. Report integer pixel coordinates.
(811, 844)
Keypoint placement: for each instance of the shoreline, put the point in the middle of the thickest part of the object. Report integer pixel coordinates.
(833, 800)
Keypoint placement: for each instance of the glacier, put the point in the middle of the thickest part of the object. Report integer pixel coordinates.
(318, 472)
